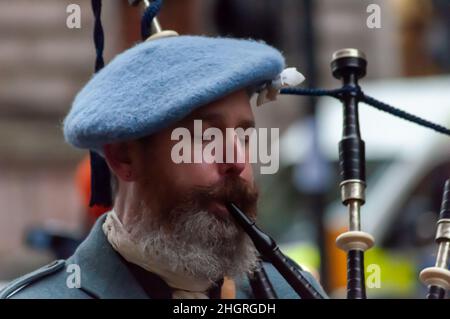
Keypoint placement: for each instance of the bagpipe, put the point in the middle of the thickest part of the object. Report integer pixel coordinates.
(347, 65)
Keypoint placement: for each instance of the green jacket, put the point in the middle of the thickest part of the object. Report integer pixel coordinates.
(105, 274)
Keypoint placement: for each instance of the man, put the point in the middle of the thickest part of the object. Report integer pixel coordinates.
(169, 234)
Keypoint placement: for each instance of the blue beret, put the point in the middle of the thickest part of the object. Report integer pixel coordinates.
(159, 82)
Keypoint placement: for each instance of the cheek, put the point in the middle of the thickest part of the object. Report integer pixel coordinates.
(201, 174)
(204, 174)
(179, 176)
(247, 174)
(183, 176)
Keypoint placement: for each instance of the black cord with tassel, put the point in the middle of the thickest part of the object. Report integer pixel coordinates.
(101, 193)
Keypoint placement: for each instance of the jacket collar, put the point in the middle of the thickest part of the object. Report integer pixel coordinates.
(104, 273)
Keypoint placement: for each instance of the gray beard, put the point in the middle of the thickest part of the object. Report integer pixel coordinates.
(199, 244)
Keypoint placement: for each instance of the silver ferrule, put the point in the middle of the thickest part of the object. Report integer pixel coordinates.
(348, 53)
(353, 190)
(443, 230)
(443, 254)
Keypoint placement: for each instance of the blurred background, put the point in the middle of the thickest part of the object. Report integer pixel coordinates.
(44, 183)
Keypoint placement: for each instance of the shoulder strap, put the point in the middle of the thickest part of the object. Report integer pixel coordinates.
(30, 278)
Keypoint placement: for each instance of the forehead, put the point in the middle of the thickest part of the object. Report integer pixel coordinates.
(232, 111)
(231, 108)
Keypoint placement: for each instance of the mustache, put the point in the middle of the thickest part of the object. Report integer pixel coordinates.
(231, 189)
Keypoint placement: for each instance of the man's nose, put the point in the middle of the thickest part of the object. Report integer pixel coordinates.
(234, 160)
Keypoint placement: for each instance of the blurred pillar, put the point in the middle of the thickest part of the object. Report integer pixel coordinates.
(414, 18)
(319, 182)
(249, 19)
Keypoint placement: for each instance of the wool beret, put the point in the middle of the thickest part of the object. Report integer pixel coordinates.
(159, 82)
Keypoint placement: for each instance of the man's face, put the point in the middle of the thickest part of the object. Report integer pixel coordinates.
(180, 215)
(207, 186)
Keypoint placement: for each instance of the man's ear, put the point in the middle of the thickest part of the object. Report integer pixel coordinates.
(118, 157)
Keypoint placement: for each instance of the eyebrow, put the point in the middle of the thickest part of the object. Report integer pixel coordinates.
(213, 117)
